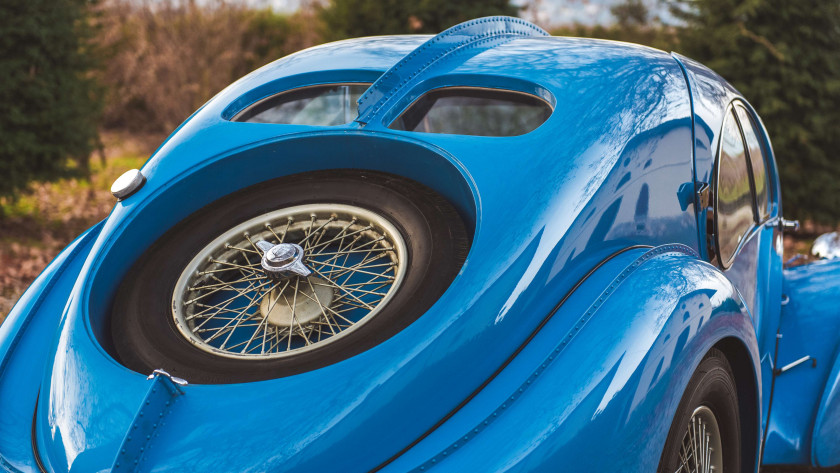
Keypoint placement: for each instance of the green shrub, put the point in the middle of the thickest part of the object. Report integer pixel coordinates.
(50, 102)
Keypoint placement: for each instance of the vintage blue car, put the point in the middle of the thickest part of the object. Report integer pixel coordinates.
(488, 250)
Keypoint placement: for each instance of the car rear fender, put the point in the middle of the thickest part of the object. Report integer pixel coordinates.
(25, 343)
(608, 368)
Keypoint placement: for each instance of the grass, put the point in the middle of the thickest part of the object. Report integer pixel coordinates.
(39, 224)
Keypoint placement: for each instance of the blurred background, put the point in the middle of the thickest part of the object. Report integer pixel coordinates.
(89, 88)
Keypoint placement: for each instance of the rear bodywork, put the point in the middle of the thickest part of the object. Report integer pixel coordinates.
(582, 310)
(805, 420)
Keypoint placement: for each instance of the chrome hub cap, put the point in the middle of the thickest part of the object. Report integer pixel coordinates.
(701, 450)
(284, 259)
(289, 281)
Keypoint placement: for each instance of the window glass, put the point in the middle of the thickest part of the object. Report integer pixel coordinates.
(473, 111)
(324, 105)
(758, 163)
(734, 212)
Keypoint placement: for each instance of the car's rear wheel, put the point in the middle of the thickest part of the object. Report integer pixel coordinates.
(705, 434)
(287, 276)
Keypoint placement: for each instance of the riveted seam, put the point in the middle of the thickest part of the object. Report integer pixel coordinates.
(481, 426)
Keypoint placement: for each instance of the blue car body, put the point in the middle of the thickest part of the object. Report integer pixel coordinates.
(585, 304)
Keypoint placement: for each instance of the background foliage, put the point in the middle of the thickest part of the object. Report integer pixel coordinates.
(354, 18)
(51, 102)
(784, 57)
(113, 77)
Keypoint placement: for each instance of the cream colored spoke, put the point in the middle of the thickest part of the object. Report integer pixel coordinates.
(214, 271)
(360, 268)
(243, 250)
(323, 231)
(271, 229)
(329, 309)
(342, 237)
(234, 265)
(225, 284)
(366, 261)
(334, 285)
(239, 318)
(338, 235)
(207, 294)
(293, 305)
(239, 314)
(277, 298)
(378, 284)
(219, 312)
(303, 243)
(348, 264)
(203, 330)
(317, 231)
(352, 271)
(700, 449)
(220, 306)
(254, 335)
(341, 253)
(338, 253)
(286, 231)
(342, 300)
(223, 303)
(264, 321)
(320, 306)
(294, 314)
(363, 291)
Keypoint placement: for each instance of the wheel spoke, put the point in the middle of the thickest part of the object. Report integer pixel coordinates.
(228, 304)
(700, 451)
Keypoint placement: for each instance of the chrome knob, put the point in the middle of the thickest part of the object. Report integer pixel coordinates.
(284, 259)
(130, 182)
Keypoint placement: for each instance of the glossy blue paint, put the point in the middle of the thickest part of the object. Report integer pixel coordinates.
(610, 173)
(455, 44)
(757, 271)
(805, 401)
(25, 338)
(161, 396)
(596, 374)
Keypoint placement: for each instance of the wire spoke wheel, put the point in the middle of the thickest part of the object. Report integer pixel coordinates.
(705, 435)
(287, 276)
(225, 302)
(701, 450)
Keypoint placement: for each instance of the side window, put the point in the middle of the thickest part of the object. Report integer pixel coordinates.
(474, 111)
(733, 206)
(320, 105)
(758, 163)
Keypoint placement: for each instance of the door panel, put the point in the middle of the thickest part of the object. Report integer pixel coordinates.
(804, 425)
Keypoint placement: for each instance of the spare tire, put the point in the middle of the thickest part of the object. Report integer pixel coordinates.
(287, 276)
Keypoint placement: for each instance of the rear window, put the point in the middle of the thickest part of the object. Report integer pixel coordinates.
(320, 105)
(474, 111)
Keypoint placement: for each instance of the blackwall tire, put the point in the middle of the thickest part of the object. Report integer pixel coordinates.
(707, 421)
(147, 333)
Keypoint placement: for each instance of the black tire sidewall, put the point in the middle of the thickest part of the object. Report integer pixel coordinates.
(712, 385)
(144, 335)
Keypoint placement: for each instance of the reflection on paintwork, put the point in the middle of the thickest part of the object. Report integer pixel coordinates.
(602, 387)
(598, 198)
(812, 311)
(757, 161)
(733, 210)
(826, 246)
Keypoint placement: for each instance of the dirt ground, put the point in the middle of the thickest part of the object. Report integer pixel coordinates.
(38, 225)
